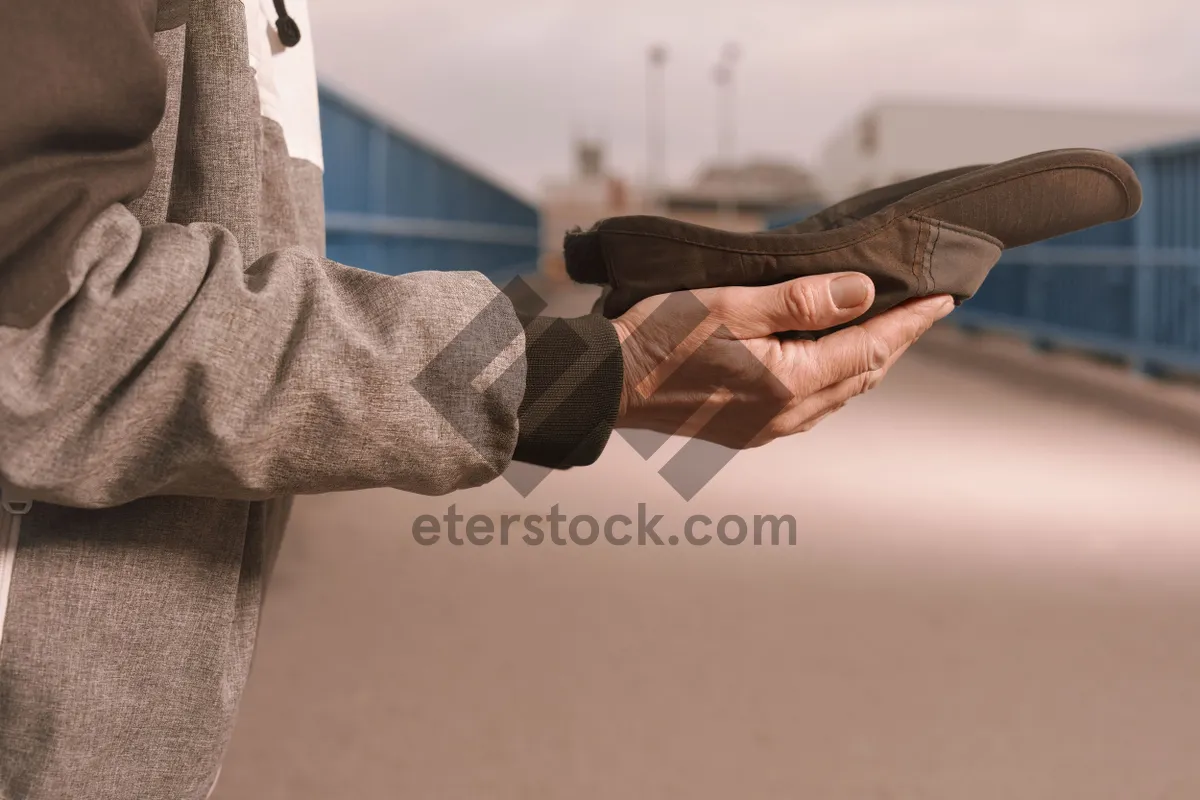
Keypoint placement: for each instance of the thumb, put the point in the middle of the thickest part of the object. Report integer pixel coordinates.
(804, 304)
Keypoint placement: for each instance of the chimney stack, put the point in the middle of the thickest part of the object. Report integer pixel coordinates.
(590, 158)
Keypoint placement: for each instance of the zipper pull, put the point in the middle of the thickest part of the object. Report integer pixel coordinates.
(15, 501)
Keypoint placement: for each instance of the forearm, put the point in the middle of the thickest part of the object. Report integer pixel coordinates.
(138, 361)
(177, 369)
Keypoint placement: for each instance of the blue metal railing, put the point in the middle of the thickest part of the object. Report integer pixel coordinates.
(1129, 290)
(1145, 310)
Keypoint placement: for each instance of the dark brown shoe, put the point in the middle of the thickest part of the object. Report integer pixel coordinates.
(939, 234)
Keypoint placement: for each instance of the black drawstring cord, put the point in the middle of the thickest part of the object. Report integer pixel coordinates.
(285, 26)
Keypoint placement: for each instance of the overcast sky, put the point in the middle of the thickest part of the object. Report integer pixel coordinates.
(504, 84)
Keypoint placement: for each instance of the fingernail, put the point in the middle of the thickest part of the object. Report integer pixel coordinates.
(848, 291)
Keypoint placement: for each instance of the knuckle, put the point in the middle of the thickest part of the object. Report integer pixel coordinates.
(802, 301)
(922, 324)
(875, 351)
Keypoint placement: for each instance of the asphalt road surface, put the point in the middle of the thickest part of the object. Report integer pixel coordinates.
(994, 593)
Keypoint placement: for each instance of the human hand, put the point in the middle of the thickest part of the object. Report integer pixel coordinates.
(708, 363)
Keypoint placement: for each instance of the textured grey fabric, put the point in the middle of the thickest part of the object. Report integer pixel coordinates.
(220, 380)
(151, 207)
(301, 222)
(127, 642)
(203, 363)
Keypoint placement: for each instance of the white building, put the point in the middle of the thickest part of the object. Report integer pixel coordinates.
(900, 139)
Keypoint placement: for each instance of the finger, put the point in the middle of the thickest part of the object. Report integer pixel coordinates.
(868, 347)
(793, 422)
(812, 421)
(909, 320)
(804, 304)
(820, 405)
(841, 393)
(814, 408)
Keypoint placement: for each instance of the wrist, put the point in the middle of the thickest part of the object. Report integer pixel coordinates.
(621, 327)
(574, 389)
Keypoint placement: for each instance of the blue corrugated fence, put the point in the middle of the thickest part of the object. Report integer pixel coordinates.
(1130, 289)
(395, 205)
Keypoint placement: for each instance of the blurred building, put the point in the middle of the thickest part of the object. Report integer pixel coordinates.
(732, 197)
(742, 196)
(900, 139)
(590, 194)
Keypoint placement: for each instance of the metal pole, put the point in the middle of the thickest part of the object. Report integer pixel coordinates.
(656, 125)
(727, 127)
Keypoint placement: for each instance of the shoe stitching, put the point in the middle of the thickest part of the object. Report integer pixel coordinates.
(922, 227)
(929, 250)
(963, 229)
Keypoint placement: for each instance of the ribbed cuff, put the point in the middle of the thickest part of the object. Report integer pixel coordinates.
(572, 390)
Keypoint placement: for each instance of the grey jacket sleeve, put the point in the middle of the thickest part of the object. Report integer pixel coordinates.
(137, 361)
(174, 368)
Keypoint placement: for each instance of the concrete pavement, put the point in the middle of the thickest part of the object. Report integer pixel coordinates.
(1002, 602)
